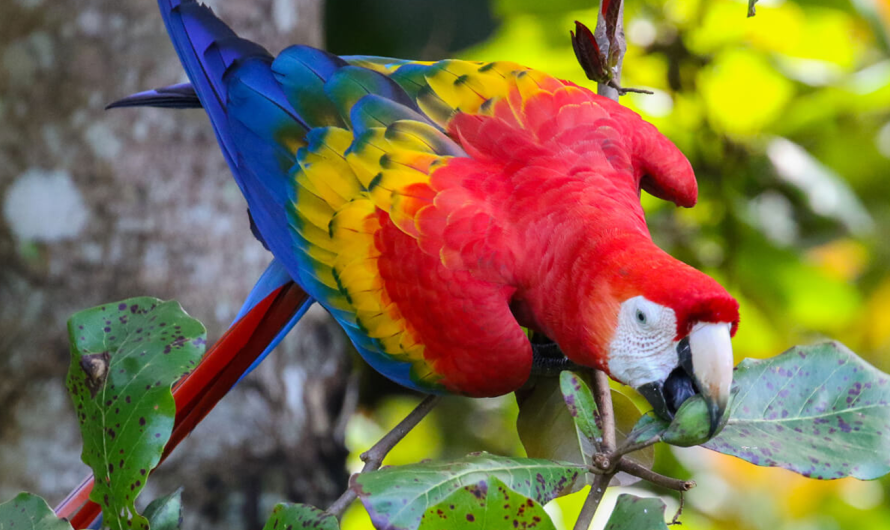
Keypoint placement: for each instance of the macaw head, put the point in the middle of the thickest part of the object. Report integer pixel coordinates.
(668, 326)
(663, 328)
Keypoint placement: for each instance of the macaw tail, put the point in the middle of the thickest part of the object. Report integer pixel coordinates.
(257, 128)
(270, 312)
(181, 96)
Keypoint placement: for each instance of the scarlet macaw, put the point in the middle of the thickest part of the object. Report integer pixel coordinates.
(436, 208)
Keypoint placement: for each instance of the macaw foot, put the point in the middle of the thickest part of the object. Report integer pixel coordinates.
(547, 359)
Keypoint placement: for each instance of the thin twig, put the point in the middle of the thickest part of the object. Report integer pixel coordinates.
(607, 461)
(630, 448)
(373, 457)
(602, 479)
(676, 519)
(632, 468)
(339, 506)
(626, 90)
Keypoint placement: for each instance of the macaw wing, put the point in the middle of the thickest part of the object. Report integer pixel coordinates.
(359, 185)
(446, 88)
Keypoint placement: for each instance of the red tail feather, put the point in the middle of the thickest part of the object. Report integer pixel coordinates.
(200, 391)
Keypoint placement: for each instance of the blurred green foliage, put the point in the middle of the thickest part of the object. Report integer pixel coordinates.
(786, 120)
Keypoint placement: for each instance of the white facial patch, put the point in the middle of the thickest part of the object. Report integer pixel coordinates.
(643, 349)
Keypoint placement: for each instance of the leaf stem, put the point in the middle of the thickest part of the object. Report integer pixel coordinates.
(676, 519)
(373, 457)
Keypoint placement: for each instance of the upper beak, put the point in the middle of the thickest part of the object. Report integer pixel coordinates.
(704, 367)
(710, 349)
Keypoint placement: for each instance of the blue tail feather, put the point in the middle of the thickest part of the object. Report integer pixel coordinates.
(274, 277)
(181, 96)
(252, 118)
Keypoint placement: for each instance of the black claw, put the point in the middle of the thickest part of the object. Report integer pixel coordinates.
(548, 350)
(547, 358)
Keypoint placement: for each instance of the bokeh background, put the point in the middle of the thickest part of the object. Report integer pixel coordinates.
(785, 117)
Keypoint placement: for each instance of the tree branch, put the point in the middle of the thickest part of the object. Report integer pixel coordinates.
(592, 502)
(603, 396)
(373, 457)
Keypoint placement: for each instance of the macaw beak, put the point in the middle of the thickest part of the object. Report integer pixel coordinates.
(704, 366)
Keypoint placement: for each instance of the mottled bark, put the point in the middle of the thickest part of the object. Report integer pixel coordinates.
(99, 206)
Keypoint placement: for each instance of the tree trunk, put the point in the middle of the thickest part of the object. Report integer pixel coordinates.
(98, 206)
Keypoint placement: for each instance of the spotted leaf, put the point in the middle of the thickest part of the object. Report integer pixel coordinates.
(819, 410)
(397, 498)
(29, 512)
(124, 358)
(487, 504)
(581, 406)
(285, 516)
(637, 513)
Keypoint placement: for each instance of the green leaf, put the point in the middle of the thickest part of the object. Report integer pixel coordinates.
(581, 406)
(626, 417)
(637, 513)
(124, 358)
(286, 516)
(547, 429)
(650, 426)
(165, 513)
(819, 410)
(397, 497)
(29, 512)
(486, 504)
(691, 424)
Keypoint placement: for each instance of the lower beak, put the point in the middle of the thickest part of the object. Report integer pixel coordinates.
(704, 367)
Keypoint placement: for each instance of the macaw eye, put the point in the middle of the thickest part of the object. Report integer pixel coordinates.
(641, 317)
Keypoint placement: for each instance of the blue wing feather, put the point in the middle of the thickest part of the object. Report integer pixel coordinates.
(262, 112)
